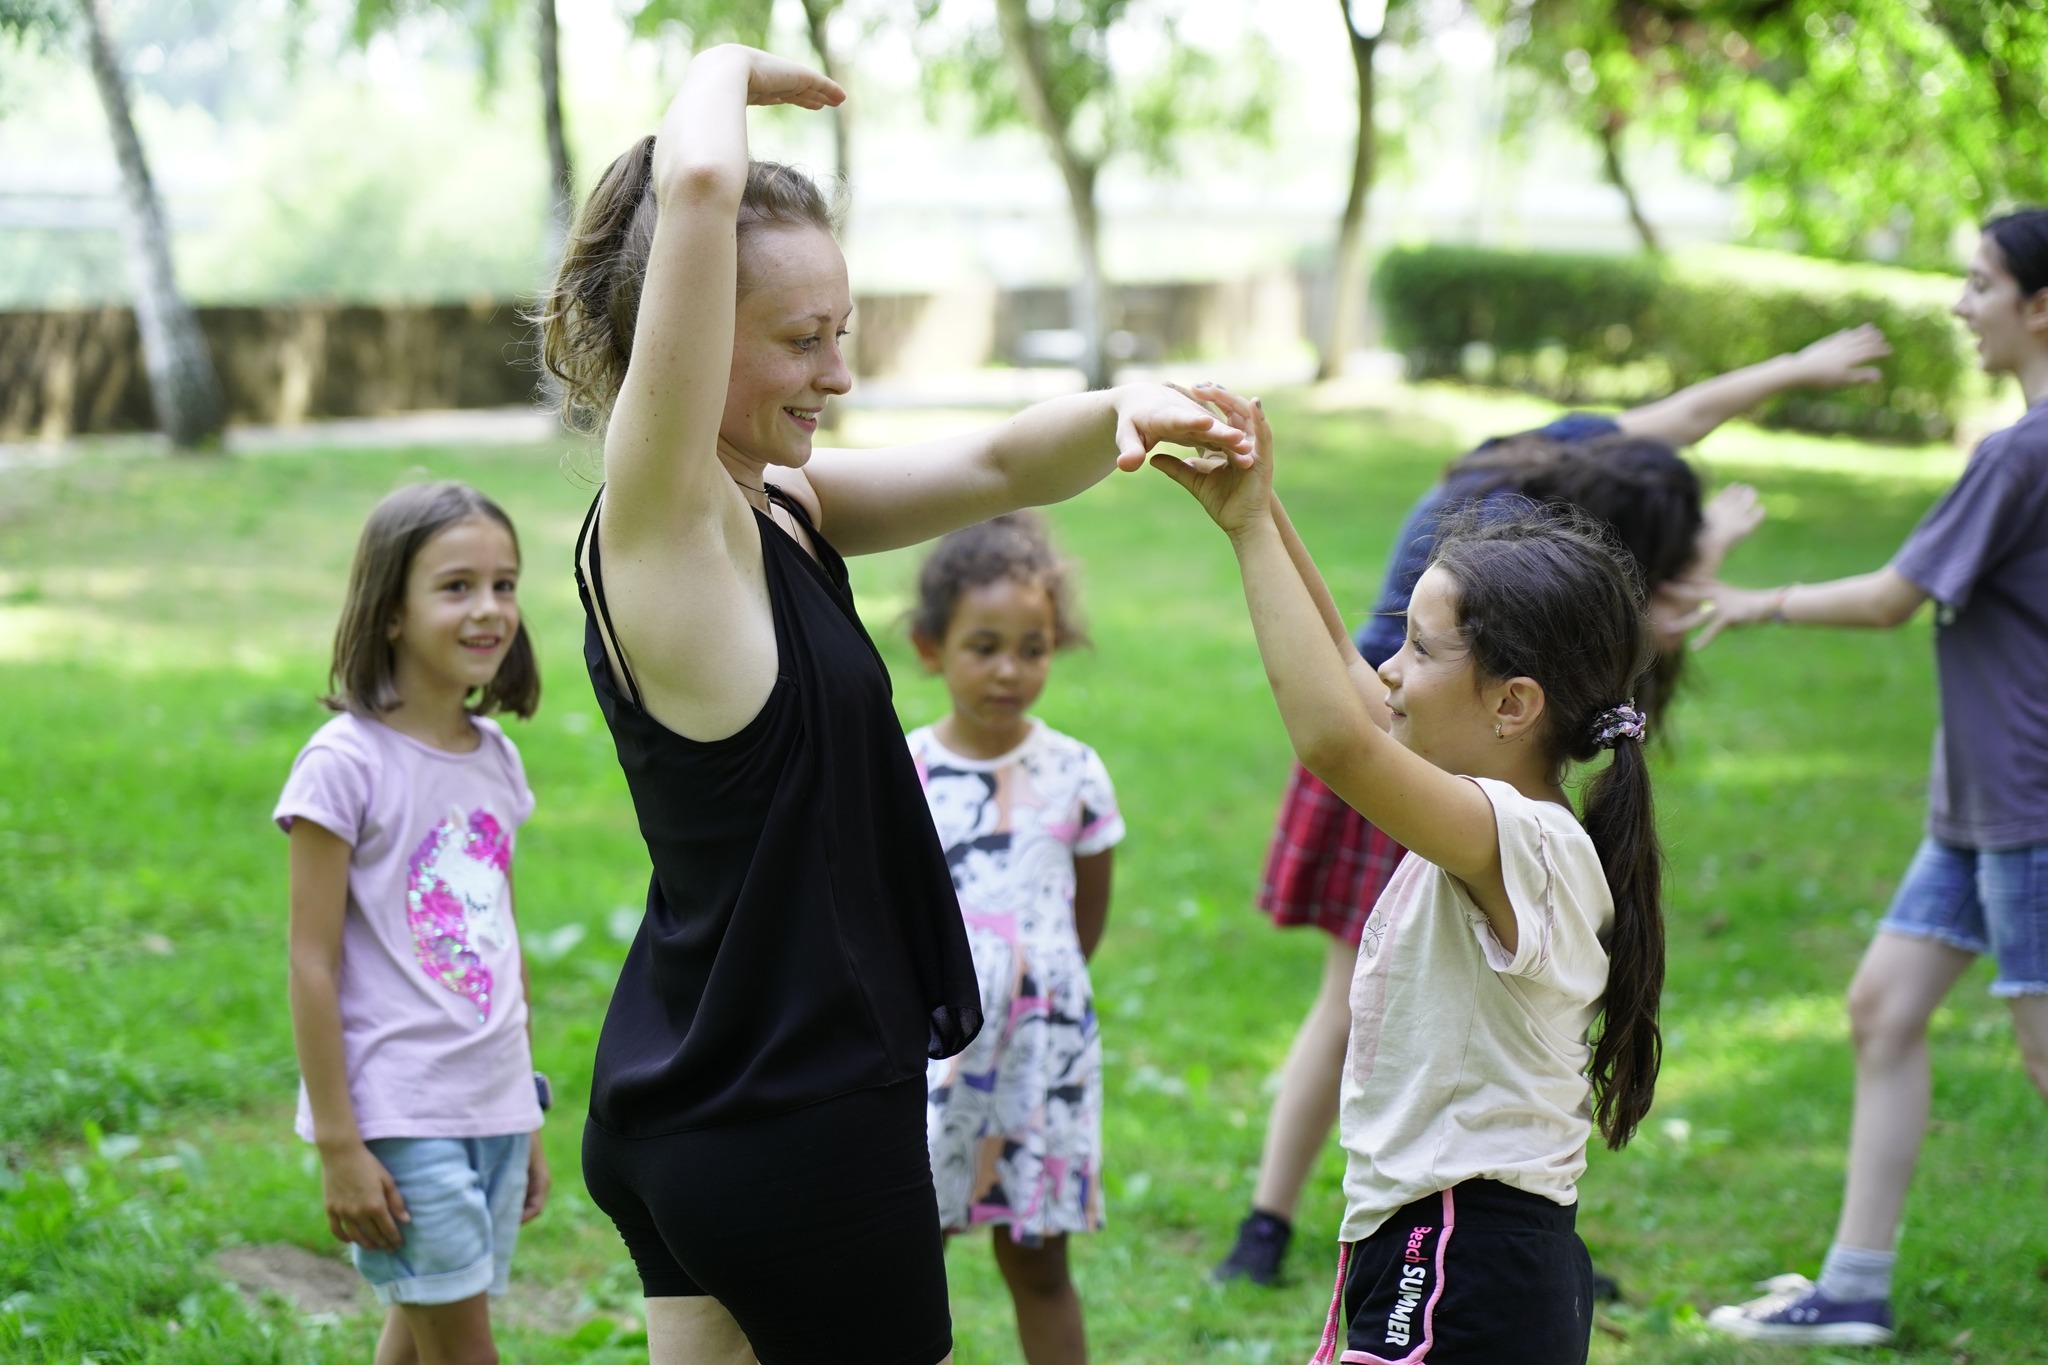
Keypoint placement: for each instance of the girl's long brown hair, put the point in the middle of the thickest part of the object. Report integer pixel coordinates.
(1639, 487)
(363, 675)
(1547, 593)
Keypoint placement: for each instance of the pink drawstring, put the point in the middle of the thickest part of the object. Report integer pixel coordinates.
(1326, 1354)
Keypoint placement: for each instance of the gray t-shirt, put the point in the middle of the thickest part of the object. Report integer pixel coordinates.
(1982, 554)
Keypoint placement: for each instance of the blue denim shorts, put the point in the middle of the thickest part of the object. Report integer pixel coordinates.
(1991, 901)
(464, 1195)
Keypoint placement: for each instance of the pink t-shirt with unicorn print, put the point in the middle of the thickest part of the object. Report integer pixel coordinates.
(433, 1018)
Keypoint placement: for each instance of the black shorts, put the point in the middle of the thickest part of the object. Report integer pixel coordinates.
(1478, 1274)
(816, 1229)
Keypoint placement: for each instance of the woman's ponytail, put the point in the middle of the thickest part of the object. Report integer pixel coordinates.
(587, 318)
(1620, 817)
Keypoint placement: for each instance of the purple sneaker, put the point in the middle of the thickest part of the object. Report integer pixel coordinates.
(1794, 1311)
(1261, 1246)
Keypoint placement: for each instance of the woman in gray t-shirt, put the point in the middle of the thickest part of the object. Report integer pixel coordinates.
(1979, 882)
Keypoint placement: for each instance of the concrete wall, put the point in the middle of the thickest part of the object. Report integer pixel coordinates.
(64, 372)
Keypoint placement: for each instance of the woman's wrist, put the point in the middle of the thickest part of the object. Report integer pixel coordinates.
(1776, 608)
(738, 54)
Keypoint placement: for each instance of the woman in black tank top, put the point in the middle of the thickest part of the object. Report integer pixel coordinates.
(756, 1124)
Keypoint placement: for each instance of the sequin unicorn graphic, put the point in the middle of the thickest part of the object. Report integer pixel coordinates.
(452, 902)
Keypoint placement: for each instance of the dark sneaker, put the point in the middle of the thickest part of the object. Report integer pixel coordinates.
(1794, 1311)
(1261, 1247)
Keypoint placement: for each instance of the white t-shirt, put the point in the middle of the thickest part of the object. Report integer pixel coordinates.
(1467, 1061)
(433, 1019)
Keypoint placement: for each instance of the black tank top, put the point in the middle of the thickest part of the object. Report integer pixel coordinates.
(802, 938)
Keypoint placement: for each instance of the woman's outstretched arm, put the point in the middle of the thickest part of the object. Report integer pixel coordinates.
(661, 457)
(1881, 599)
(872, 500)
(1833, 362)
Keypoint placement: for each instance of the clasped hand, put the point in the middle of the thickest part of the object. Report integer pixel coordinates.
(1236, 490)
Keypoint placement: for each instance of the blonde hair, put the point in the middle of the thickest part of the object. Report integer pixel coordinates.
(588, 316)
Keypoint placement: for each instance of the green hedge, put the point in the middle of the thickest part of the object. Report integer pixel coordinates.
(1621, 329)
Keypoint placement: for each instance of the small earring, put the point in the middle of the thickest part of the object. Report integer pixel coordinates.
(1496, 731)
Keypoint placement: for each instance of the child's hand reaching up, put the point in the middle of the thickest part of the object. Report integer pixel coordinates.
(1234, 496)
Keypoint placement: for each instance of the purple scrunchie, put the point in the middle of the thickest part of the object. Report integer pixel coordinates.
(1618, 723)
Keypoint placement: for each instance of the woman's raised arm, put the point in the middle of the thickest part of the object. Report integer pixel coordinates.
(661, 445)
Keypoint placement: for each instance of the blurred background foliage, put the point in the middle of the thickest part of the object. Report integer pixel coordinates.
(1626, 329)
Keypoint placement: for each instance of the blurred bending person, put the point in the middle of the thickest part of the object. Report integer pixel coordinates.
(1327, 864)
(1979, 881)
(757, 1112)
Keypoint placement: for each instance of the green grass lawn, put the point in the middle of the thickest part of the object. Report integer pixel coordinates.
(163, 631)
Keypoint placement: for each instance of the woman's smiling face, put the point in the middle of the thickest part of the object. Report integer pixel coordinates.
(1995, 311)
(786, 360)
(1440, 710)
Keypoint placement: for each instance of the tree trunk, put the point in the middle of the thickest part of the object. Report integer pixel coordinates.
(561, 176)
(1610, 153)
(817, 13)
(1024, 43)
(1348, 273)
(182, 382)
(1091, 294)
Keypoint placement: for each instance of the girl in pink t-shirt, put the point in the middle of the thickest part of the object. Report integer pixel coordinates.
(408, 992)
(1473, 1078)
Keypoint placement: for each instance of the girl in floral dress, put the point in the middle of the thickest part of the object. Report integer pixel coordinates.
(1028, 819)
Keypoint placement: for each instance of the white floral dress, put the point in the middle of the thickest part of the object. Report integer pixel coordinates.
(1015, 1121)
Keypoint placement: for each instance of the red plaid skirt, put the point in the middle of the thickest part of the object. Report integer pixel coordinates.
(1328, 863)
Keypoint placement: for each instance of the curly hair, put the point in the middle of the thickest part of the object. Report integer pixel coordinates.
(1015, 546)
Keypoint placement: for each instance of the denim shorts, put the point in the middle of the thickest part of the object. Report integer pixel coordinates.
(464, 1195)
(1991, 901)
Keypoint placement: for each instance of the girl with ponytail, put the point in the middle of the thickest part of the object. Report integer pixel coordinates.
(1474, 1077)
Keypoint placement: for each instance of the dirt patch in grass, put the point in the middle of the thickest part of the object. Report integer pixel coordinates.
(312, 1284)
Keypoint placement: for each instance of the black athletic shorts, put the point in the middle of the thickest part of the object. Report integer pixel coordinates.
(816, 1229)
(1479, 1274)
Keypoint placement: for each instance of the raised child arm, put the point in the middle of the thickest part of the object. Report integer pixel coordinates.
(1364, 676)
(1445, 819)
(363, 1202)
